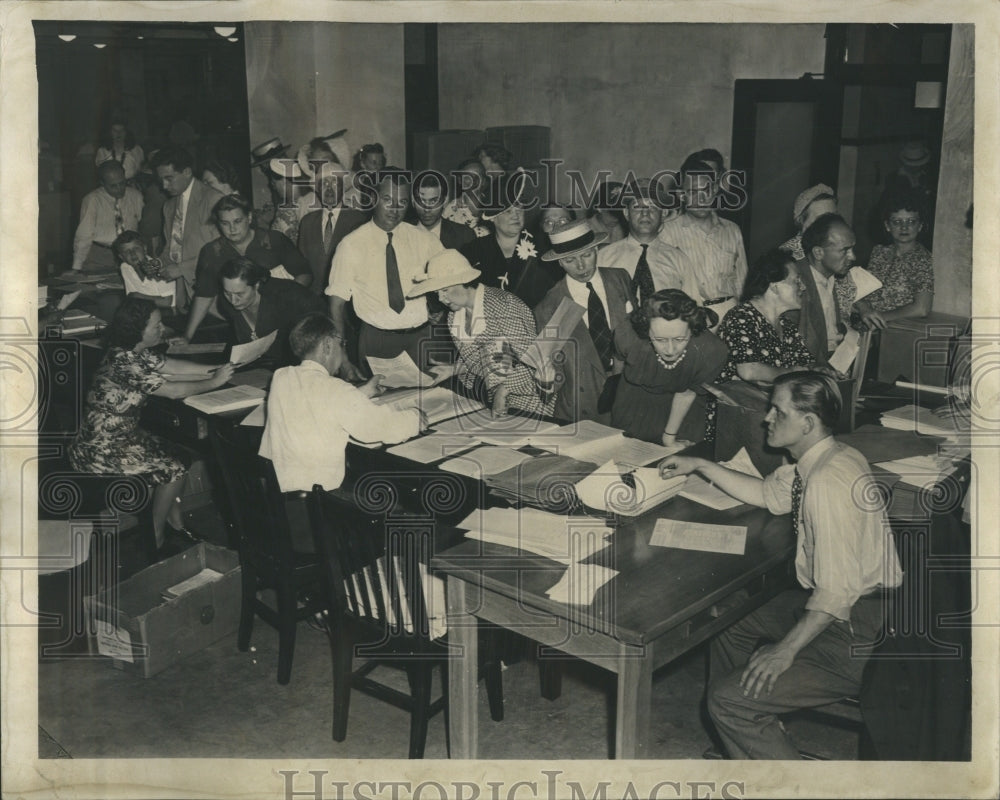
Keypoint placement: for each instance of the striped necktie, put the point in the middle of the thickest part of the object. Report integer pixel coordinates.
(600, 332)
(119, 221)
(177, 233)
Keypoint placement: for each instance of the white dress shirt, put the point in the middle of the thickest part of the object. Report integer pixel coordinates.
(137, 284)
(580, 295)
(667, 264)
(825, 288)
(310, 417)
(97, 220)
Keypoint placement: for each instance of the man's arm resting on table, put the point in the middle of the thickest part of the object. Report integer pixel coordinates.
(746, 488)
(771, 660)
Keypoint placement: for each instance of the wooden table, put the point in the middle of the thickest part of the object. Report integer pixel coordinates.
(663, 602)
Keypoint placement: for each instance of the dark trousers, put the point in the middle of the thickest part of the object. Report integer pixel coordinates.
(824, 671)
(421, 344)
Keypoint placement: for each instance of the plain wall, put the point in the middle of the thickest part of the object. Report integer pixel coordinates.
(309, 79)
(616, 96)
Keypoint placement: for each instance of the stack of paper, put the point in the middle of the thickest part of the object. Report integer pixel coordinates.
(400, 372)
(230, 399)
(437, 403)
(510, 430)
(916, 418)
(484, 461)
(81, 322)
(580, 583)
(920, 471)
(555, 536)
(632, 494)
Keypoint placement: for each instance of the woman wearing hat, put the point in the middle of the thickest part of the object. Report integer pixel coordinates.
(508, 258)
(492, 329)
(669, 355)
(811, 204)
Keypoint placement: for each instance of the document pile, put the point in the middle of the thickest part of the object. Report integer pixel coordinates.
(590, 441)
(437, 403)
(555, 536)
(630, 493)
(921, 420)
(483, 461)
(232, 398)
(922, 472)
(547, 481)
(510, 430)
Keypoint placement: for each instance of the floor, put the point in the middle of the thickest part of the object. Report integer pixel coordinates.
(220, 702)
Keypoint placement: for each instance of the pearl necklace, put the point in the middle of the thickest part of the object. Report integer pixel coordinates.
(671, 364)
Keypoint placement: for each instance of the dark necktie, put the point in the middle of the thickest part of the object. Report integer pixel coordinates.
(328, 230)
(396, 299)
(599, 330)
(796, 501)
(642, 281)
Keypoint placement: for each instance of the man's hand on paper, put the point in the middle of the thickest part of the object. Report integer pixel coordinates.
(372, 387)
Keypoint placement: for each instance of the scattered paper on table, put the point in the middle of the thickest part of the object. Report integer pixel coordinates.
(433, 447)
(920, 471)
(232, 398)
(510, 430)
(556, 536)
(400, 372)
(729, 539)
(580, 583)
(438, 403)
(251, 351)
(484, 461)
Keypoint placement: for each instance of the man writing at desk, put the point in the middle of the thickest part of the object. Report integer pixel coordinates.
(817, 640)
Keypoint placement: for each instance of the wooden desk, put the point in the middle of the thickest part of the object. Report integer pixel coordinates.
(663, 602)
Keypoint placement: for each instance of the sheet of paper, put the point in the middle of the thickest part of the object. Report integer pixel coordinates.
(256, 418)
(555, 536)
(232, 398)
(920, 471)
(637, 453)
(585, 440)
(865, 282)
(728, 539)
(607, 490)
(251, 351)
(700, 490)
(437, 403)
(484, 461)
(433, 447)
(924, 387)
(580, 583)
(741, 462)
(186, 349)
(846, 351)
(554, 335)
(281, 273)
(399, 372)
(67, 300)
(510, 430)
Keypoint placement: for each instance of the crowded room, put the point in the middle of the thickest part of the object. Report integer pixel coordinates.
(553, 390)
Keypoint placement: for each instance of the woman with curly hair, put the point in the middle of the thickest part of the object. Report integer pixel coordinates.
(110, 439)
(118, 144)
(221, 176)
(669, 355)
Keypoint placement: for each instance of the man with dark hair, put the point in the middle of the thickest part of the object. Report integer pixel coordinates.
(187, 226)
(429, 198)
(311, 413)
(828, 245)
(713, 246)
(105, 213)
(815, 641)
(374, 268)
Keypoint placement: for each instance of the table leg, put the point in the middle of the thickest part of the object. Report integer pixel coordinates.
(635, 687)
(463, 697)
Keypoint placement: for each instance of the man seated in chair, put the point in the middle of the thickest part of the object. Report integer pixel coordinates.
(311, 413)
(813, 641)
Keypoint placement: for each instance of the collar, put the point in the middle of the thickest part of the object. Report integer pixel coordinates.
(821, 279)
(312, 366)
(812, 456)
(435, 230)
(575, 287)
(688, 221)
(636, 243)
(186, 194)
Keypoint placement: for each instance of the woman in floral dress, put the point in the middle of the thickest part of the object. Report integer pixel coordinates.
(110, 440)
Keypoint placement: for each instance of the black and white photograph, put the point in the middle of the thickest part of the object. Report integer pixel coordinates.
(489, 400)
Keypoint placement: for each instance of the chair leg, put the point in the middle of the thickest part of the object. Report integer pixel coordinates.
(342, 652)
(490, 669)
(287, 624)
(419, 674)
(550, 678)
(249, 596)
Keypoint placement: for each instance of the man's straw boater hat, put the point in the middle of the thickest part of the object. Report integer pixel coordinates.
(573, 236)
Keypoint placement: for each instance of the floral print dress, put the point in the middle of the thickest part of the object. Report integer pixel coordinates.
(110, 439)
(753, 340)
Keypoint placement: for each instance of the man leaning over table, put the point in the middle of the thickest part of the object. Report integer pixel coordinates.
(815, 640)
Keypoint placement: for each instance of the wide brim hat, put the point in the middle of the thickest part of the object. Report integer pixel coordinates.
(572, 237)
(806, 197)
(508, 193)
(447, 268)
(263, 153)
(914, 154)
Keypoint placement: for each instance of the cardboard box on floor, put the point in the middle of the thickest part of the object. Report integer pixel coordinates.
(145, 633)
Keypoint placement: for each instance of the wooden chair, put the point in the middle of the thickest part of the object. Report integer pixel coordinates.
(375, 585)
(268, 560)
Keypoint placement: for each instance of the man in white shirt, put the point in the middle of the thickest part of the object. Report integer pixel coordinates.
(814, 641)
(829, 252)
(374, 268)
(311, 414)
(428, 206)
(651, 263)
(105, 213)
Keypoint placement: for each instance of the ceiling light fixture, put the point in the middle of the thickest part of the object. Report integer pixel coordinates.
(99, 45)
(232, 39)
(67, 37)
(225, 31)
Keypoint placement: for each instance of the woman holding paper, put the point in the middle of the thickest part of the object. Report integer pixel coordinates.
(669, 355)
(110, 440)
(257, 305)
(762, 342)
(492, 330)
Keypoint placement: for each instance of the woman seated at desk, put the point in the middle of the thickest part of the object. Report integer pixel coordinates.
(110, 439)
(492, 329)
(669, 354)
(256, 304)
(763, 343)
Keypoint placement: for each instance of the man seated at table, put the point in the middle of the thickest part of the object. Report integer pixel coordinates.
(311, 413)
(815, 641)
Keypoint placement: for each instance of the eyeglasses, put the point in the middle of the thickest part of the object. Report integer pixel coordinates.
(678, 340)
(904, 223)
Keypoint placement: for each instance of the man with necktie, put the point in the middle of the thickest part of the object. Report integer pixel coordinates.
(106, 213)
(651, 263)
(587, 372)
(373, 269)
(813, 641)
